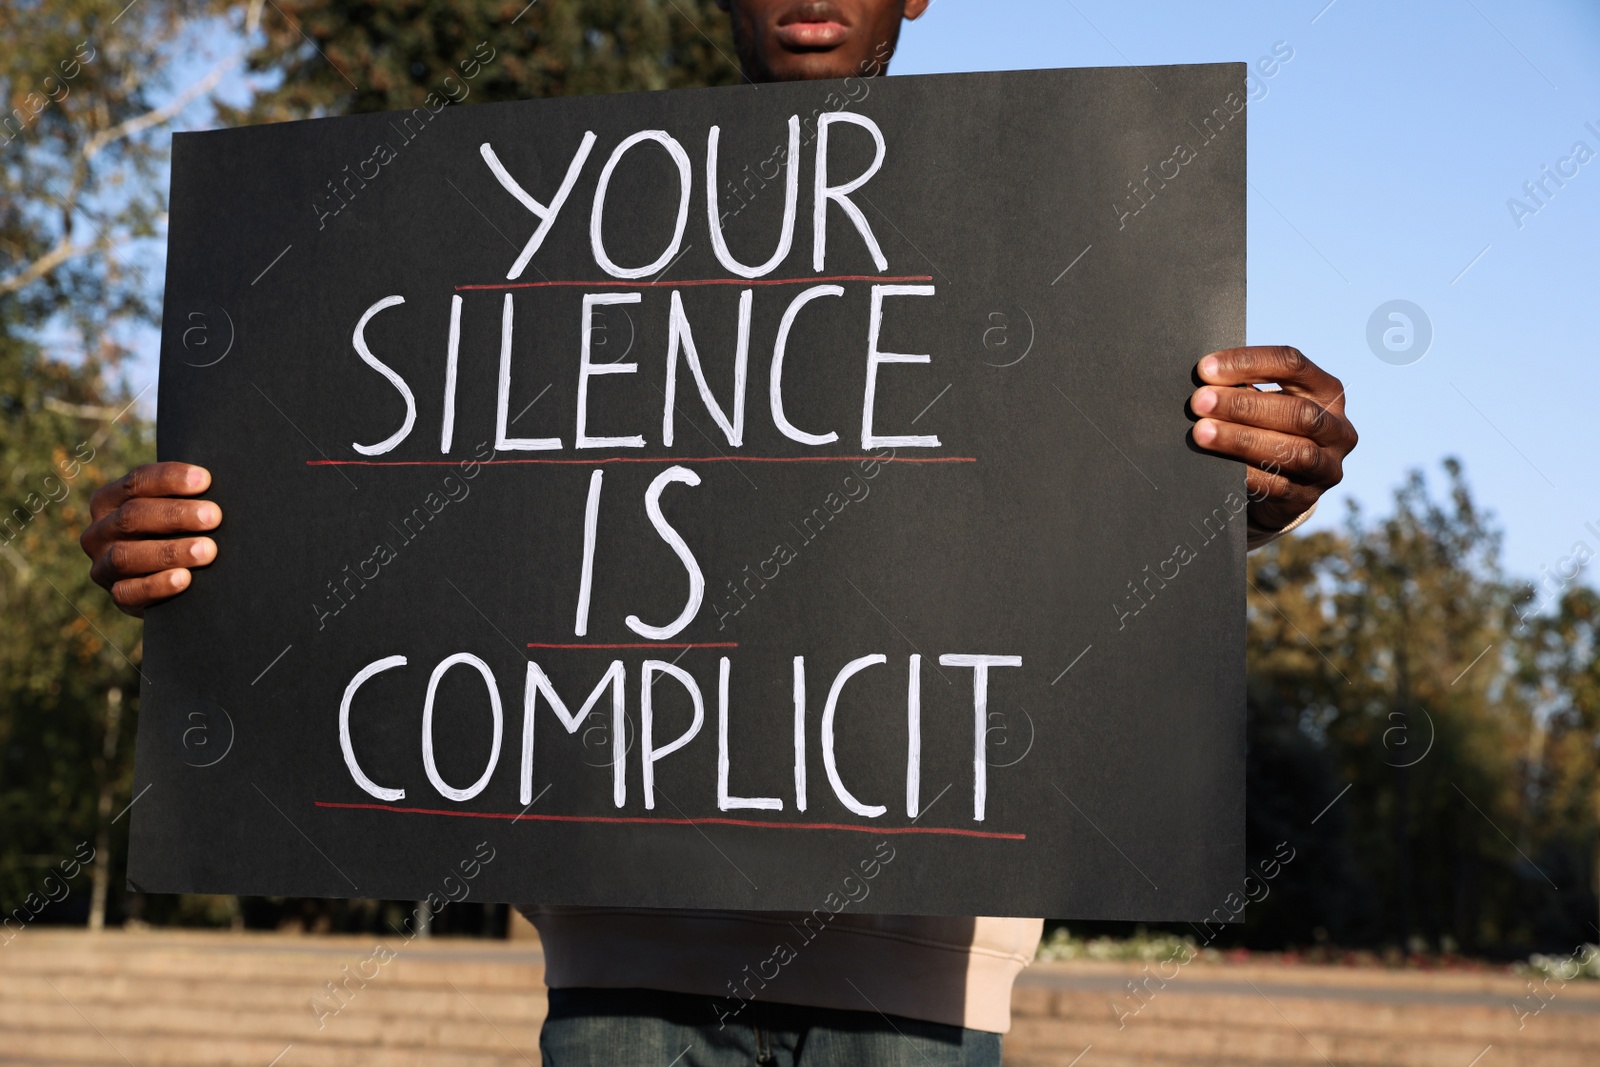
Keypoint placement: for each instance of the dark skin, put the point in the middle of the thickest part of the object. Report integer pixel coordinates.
(149, 533)
(799, 40)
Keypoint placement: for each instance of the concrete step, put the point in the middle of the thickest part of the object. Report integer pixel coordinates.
(482, 964)
(360, 1022)
(177, 998)
(1057, 1042)
(1480, 1022)
(208, 1000)
(194, 999)
(1314, 1017)
(1381, 982)
(75, 1049)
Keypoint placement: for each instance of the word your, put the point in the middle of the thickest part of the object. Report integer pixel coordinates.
(1142, 990)
(1566, 169)
(1584, 958)
(1255, 78)
(824, 192)
(410, 128)
(55, 491)
(810, 528)
(13, 124)
(537, 685)
(55, 882)
(410, 528)
(1210, 529)
(869, 68)
(1140, 192)
(813, 924)
(340, 993)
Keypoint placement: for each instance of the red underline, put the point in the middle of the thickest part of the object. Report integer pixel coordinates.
(645, 644)
(634, 459)
(755, 824)
(614, 284)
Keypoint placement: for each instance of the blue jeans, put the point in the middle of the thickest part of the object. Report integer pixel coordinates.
(648, 1028)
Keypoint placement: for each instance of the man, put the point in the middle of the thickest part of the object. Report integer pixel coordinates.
(666, 987)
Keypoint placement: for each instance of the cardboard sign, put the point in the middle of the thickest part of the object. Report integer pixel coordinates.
(689, 494)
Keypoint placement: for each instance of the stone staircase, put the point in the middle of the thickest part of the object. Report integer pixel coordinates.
(1317, 1016)
(247, 1000)
(193, 999)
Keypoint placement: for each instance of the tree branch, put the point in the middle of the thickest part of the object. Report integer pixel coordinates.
(101, 412)
(65, 249)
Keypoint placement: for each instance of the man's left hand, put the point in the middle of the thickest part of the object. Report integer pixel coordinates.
(1293, 442)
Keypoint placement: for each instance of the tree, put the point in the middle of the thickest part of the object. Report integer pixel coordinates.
(83, 147)
(340, 57)
(68, 660)
(1562, 662)
(1392, 659)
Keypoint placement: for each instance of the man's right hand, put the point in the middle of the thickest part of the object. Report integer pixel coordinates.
(135, 539)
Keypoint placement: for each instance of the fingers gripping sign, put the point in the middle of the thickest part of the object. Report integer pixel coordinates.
(138, 539)
(1293, 440)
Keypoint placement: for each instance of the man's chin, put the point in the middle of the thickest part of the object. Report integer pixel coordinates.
(814, 65)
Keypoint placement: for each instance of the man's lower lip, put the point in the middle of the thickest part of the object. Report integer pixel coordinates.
(812, 34)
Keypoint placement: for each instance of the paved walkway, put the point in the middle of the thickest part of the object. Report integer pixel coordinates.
(190, 999)
(1270, 1014)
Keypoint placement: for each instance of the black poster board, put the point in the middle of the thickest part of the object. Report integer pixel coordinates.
(969, 507)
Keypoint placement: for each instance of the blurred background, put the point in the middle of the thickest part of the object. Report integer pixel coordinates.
(1424, 709)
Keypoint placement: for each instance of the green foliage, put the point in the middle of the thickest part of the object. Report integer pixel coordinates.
(1062, 944)
(81, 150)
(63, 646)
(79, 157)
(346, 56)
(1393, 659)
(1584, 962)
(1560, 669)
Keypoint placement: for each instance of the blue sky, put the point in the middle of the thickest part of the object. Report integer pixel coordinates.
(1382, 156)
